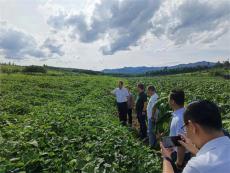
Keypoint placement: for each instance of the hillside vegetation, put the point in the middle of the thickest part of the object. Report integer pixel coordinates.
(66, 122)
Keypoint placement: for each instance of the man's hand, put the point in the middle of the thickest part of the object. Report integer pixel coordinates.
(159, 135)
(187, 143)
(166, 152)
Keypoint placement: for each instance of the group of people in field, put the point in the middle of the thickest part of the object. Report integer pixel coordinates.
(204, 145)
(144, 110)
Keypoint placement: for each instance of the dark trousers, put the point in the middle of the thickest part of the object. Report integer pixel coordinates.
(130, 119)
(122, 111)
(143, 127)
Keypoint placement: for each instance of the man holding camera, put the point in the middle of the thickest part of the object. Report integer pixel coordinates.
(204, 139)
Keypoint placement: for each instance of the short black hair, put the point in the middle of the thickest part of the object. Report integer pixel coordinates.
(121, 82)
(178, 96)
(141, 86)
(205, 113)
(151, 88)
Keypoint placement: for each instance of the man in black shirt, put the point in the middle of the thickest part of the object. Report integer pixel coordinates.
(141, 106)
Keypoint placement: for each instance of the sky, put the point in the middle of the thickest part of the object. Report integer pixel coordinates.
(105, 34)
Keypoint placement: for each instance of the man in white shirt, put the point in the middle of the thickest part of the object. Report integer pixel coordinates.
(205, 139)
(122, 95)
(151, 114)
(176, 102)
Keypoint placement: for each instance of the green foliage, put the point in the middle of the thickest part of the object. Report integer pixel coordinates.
(4, 68)
(195, 87)
(167, 71)
(66, 124)
(222, 72)
(34, 69)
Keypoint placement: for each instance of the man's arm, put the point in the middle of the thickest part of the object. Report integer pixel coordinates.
(145, 106)
(145, 103)
(133, 101)
(113, 92)
(154, 110)
(181, 149)
(187, 143)
(180, 156)
(166, 153)
(167, 167)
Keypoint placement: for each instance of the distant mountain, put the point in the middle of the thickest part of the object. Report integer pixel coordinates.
(143, 69)
(75, 70)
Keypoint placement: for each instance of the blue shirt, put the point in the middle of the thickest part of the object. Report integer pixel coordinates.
(177, 122)
(151, 103)
(213, 157)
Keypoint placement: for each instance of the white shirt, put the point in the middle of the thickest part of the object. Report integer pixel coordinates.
(213, 157)
(121, 94)
(151, 103)
(177, 122)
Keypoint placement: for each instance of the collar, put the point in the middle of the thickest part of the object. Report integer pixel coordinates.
(213, 144)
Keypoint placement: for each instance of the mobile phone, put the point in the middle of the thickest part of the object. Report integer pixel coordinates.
(171, 141)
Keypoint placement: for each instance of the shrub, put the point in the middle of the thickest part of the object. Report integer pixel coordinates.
(34, 69)
(9, 69)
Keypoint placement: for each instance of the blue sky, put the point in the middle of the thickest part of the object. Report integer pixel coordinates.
(99, 34)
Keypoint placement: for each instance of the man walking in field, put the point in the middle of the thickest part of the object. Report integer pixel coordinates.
(122, 95)
(141, 106)
(152, 114)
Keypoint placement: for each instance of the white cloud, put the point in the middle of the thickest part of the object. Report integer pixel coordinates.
(17, 44)
(152, 32)
(192, 21)
(120, 23)
(53, 46)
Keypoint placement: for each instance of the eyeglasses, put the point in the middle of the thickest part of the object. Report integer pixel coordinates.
(183, 127)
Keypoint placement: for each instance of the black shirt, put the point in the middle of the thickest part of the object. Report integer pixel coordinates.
(141, 99)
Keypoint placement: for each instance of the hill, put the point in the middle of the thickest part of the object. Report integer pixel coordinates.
(143, 69)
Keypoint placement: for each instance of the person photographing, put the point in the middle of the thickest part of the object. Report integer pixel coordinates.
(204, 138)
